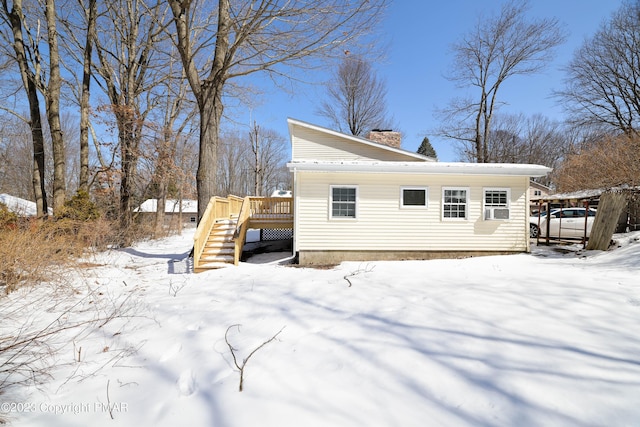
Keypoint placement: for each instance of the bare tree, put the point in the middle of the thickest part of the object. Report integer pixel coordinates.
(16, 159)
(527, 139)
(498, 48)
(52, 94)
(268, 148)
(602, 86)
(251, 162)
(252, 37)
(127, 35)
(356, 98)
(90, 13)
(178, 116)
(233, 175)
(25, 52)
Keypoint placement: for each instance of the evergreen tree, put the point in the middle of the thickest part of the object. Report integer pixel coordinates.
(426, 149)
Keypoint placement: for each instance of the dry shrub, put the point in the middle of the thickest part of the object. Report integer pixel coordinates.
(28, 253)
(610, 162)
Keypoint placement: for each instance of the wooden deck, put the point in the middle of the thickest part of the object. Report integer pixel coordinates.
(222, 230)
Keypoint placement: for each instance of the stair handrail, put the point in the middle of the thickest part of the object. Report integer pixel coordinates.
(240, 234)
(215, 208)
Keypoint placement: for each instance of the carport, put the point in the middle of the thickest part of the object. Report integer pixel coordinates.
(618, 210)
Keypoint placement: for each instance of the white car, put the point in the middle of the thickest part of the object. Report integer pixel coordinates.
(565, 222)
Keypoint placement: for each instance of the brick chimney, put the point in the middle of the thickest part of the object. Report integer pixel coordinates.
(386, 137)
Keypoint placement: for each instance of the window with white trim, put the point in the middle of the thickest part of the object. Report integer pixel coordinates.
(496, 203)
(343, 201)
(414, 197)
(455, 203)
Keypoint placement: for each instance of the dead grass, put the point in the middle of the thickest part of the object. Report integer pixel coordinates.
(31, 252)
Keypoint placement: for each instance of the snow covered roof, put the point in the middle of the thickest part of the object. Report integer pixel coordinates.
(21, 207)
(587, 194)
(171, 206)
(434, 168)
(281, 193)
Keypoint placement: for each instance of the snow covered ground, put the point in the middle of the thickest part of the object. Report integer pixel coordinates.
(542, 339)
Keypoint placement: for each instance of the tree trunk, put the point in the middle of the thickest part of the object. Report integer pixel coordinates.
(128, 164)
(161, 202)
(14, 16)
(37, 137)
(210, 115)
(83, 184)
(52, 96)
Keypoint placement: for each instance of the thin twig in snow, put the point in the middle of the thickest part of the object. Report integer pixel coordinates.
(246, 359)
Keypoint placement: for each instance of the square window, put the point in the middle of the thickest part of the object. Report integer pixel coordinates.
(343, 202)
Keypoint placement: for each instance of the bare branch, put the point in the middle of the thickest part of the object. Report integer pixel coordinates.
(498, 48)
(246, 359)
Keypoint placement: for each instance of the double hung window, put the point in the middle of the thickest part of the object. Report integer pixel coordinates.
(496, 203)
(343, 201)
(455, 203)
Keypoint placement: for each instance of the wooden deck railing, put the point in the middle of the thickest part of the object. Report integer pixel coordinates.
(271, 207)
(241, 229)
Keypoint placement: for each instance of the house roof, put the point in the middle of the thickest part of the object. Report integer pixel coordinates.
(426, 165)
(20, 206)
(433, 168)
(294, 122)
(170, 206)
(533, 183)
(588, 194)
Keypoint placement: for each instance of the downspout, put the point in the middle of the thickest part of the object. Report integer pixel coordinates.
(527, 216)
(296, 209)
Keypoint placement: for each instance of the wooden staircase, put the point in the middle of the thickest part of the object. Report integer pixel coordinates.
(222, 230)
(220, 245)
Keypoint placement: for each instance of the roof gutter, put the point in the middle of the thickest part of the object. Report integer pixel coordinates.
(428, 168)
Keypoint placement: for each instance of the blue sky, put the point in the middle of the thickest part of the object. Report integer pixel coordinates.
(420, 34)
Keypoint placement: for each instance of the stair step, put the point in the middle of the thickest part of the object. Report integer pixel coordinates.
(218, 232)
(218, 241)
(220, 244)
(219, 247)
(211, 266)
(216, 258)
(216, 251)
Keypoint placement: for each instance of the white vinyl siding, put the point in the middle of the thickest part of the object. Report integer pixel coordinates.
(382, 224)
(310, 144)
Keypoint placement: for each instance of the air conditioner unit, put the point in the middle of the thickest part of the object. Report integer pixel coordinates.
(496, 213)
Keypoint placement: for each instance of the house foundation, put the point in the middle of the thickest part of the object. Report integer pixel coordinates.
(312, 258)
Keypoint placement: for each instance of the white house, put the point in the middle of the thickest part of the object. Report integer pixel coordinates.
(355, 199)
(185, 212)
(21, 207)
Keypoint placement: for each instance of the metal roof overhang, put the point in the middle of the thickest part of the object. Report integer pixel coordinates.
(429, 168)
